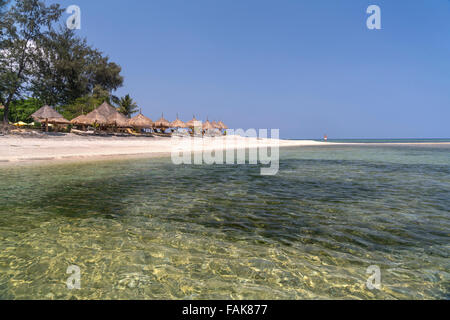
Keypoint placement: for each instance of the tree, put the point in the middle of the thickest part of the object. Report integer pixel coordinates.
(85, 104)
(21, 110)
(127, 106)
(68, 69)
(3, 24)
(26, 22)
(53, 65)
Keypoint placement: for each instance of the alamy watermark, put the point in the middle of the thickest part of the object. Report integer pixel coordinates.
(374, 280)
(236, 147)
(374, 20)
(74, 281)
(74, 20)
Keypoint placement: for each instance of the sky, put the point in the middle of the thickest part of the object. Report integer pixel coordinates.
(306, 67)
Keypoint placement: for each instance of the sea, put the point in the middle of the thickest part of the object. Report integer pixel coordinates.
(363, 221)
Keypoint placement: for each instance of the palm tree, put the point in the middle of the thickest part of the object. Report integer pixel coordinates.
(127, 106)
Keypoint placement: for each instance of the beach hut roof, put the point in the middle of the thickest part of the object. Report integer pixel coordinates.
(106, 110)
(191, 123)
(178, 124)
(223, 125)
(216, 125)
(140, 121)
(80, 120)
(96, 117)
(161, 122)
(57, 120)
(207, 125)
(46, 112)
(117, 119)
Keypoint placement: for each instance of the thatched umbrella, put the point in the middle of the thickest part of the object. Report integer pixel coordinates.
(58, 121)
(162, 123)
(45, 112)
(95, 117)
(216, 125)
(222, 125)
(140, 121)
(100, 115)
(106, 110)
(178, 124)
(118, 120)
(207, 125)
(80, 120)
(191, 123)
(48, 115)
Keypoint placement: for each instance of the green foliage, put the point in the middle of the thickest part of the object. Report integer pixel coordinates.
(54, 66)
(23, 25)
(84, 104)
(69, 69)
(21, 110)
(127, 106)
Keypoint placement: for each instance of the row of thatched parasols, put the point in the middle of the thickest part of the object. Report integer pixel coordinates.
(108, 116)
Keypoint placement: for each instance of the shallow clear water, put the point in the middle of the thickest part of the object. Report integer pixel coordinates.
(388, 140)
(148, 229)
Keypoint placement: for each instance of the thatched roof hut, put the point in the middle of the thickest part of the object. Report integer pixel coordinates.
(80, 120)
(161, 123)
(216, 125)
(222, 125)
(105, 115)
(96, 117)
(47, 113)
(57, 120)
(178, 124)
(207, 125)
(106, 110)
(117, 119)
(101, 114)
(140, 121)
(192, 122)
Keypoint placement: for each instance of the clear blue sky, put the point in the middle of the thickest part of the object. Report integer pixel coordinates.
(307, 67)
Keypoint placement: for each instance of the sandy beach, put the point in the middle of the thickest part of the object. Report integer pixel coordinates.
(71, 147)
(16, 149)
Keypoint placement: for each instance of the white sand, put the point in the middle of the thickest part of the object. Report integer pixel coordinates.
(15, 148)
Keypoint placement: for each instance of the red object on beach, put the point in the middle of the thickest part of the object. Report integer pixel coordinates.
(325, 138)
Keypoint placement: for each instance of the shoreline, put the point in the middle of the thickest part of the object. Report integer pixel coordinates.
(73, 148)
(70, 147)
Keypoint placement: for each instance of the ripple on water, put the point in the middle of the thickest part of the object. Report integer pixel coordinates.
(141, 229)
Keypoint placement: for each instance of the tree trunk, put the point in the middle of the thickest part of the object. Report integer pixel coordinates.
(6, 111)
(19, 75)
(5, 115)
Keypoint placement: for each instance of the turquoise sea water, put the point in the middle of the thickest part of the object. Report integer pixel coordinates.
(147, 229)
(388, 140)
